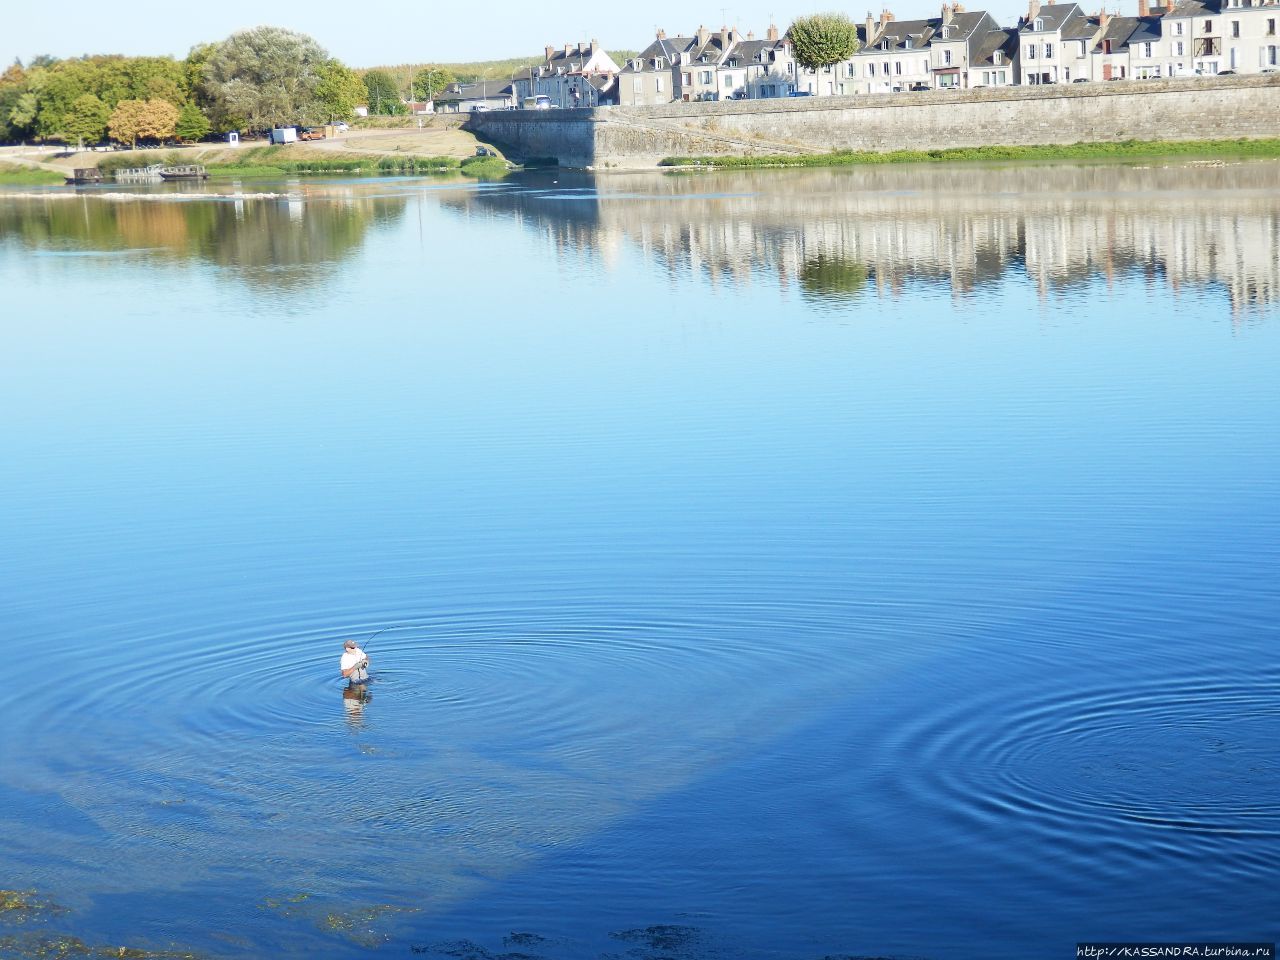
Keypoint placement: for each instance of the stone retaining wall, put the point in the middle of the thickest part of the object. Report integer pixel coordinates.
(1199, 108)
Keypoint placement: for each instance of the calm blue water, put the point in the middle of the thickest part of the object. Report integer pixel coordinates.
(774, 565)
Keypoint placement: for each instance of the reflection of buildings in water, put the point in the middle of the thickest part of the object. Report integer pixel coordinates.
(962, 227)
(279, 238)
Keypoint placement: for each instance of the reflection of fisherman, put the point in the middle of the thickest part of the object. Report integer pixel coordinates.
(354, 664)
(354, 698)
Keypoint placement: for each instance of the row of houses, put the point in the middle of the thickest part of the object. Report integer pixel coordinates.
(1052, 43)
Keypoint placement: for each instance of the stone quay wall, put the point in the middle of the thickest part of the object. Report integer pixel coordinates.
(1196, 108)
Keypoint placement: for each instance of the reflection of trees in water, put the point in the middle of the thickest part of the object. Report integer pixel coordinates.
(831, 278)
(963, 227)
(282, 241)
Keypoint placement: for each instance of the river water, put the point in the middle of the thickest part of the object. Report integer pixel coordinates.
(876, 562)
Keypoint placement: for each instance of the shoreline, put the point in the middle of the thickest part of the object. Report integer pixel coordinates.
(1128, 149)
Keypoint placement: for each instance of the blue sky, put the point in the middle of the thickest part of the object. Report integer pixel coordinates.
(379, 32)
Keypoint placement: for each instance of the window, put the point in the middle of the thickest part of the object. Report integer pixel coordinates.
(1048, 51)
(1146, 49)
(946, 57)
(1031, 51)
(997, 58)
(659, 64)
(657, 84)
(897, 67)
(1177, 29)
(850, 70)
(1208, 26)
(705, 76)
(686, 78)
(907, 43)
(1271, 28)
(884, 68)
(1178, 48)
(1038, 26)
(884, 44)
(637, 85)
(871, 69)
(728, 80)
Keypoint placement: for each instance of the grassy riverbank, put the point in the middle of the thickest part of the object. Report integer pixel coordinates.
(276, 162)
(22, 176)
(1075, 151)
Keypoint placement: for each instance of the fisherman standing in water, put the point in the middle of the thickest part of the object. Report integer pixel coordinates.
(354, 664)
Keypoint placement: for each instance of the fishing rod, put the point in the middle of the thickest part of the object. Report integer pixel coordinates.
(364, 646)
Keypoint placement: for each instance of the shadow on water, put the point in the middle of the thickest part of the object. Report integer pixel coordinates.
(836, 233)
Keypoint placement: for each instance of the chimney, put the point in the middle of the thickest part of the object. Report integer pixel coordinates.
(957, 7)
(871, 30)
(751, 34)
(551, 52)
(1033, 11)
(595, 47)
(723, 37)
(703, 36)
(662, 35)
(886, 18)
(568, 49)
(946, 13)
(1144, 8)
(772, 35)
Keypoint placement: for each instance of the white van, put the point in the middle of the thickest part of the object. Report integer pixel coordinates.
(540, 102)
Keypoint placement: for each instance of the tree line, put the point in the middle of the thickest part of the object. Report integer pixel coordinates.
(253, 80)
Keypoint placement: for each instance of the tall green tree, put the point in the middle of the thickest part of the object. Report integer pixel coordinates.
(192, 124)
(339, 91)
(429, 81)
(86, 120)
(823, 39)
(384, 98)
(266, 75)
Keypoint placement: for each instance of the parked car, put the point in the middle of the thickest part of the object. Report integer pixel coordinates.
(1226, 73)
(1081, 80)
(918, 87)
(800, 93)
(311, 133)
(341, 126)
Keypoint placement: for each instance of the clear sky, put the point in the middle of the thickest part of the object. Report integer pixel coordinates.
(378, 32)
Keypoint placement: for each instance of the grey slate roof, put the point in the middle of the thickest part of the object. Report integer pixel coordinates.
(1195, 8)
(1119, 31)
(480, 90)
(1080, 28)
(1054, 16)
(666, 48)
(1146, 31)
(1004, 40)
(897, 32)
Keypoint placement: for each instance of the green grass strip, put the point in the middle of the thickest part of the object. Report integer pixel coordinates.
(29, 176)
(1075, 151)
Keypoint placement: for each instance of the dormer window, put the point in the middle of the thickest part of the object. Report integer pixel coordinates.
(884, 44)
(946, 33)
(659, 63)
(1039, 24)
(907, 43)
(997, 58)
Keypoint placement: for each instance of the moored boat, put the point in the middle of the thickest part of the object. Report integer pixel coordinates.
(185, 171)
